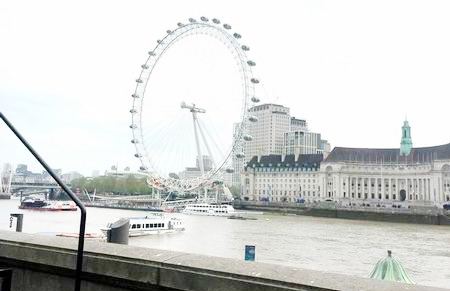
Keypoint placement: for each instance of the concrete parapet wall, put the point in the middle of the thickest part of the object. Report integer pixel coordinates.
(386, 215)
(47, 263)
(5, 196)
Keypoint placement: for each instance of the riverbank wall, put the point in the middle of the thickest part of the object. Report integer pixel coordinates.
(47, 263)
(116, 206)
(4, 196)
(386, 215)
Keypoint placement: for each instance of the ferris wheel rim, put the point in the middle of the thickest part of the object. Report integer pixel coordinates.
(163, 45)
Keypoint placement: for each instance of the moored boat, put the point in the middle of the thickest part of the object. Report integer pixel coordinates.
(157, 223)
(209, 209)
(45, 205)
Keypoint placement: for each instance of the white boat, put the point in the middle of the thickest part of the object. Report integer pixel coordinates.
(209, 209)
(154, 224)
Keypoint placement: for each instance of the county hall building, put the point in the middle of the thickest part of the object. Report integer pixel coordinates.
(418, 176)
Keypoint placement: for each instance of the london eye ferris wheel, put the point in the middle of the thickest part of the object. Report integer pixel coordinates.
(172, 126)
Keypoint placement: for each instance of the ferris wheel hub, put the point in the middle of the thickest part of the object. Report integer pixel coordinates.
(192, 107)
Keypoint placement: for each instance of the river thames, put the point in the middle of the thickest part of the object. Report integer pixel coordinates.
(332, 245)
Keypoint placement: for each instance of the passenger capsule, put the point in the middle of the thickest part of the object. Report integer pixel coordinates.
(144, 66)
(169, 31)
(159, 41)
(255, 81)
(204, 19)
(151, 53)
(142, 168)
(192, 20)
(251, 63)
(255, 99)
(180, 24)
(133, 126)
(253, 118)
(240, 155)
(138, 81)
(227, 26)
(133, 111)
(135, 96)
(138, 155)
(245, 48)
(237, 35)
(216, 21)
(229, 170)
(135, 141)
(247, 137)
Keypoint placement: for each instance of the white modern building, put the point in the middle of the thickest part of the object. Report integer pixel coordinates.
(237, 163)
(195, 172)
(302, 142)
(298, 124)
(277, 133)
(268, 131)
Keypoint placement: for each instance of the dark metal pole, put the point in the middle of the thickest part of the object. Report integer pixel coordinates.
(6, 275)
(75, 199)
(19, 221)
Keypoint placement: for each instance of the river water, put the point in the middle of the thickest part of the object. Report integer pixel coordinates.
(332, 245)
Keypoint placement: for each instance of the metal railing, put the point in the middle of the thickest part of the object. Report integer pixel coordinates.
(6, 276)
(69, 192)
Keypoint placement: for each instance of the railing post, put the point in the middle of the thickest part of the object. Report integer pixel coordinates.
(79, 264)
(19, 221)
(6, 275)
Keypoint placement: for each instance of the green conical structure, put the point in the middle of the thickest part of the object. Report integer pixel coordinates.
(406, 142)
(390, 269)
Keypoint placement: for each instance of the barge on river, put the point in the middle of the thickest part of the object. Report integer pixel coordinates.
(45, 205)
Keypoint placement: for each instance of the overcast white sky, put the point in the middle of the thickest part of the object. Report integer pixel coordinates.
(353, 69)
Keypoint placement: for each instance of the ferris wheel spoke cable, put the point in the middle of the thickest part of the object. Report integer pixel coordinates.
(219, 151)
(206, 145)
(166, 144)
(161, 139)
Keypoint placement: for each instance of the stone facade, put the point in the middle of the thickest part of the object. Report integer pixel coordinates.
(422, 177)
(414, 176)
(272, 178)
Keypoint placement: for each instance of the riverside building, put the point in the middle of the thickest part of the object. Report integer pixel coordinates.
(267, 133)
(282, 179)
(277, 133)
(416, 176)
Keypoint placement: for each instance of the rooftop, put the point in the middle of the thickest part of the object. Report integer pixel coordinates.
(290, 161)
(417, 155)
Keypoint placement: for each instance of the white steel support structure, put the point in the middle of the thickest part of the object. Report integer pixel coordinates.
(194, 110)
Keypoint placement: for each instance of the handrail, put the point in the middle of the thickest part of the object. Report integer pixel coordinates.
(6, 275)
(72, 196)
